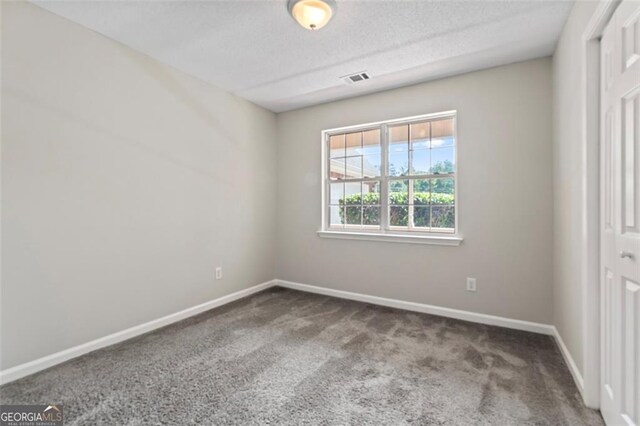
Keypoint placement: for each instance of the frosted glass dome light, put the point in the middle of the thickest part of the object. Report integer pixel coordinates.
(312, 14)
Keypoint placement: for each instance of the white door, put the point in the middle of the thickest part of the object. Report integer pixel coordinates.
(620, 217)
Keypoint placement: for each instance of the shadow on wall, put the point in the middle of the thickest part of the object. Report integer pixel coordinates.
(219, 133)
(168, 82)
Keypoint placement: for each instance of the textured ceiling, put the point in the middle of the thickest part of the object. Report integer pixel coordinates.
(255, 49)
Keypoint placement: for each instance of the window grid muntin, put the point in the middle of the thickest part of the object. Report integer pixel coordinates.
(411, 205)
(384, 177)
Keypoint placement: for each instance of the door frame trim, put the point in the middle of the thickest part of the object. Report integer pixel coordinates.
(590, 194)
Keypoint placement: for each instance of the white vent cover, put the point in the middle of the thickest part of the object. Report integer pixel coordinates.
(356, 78)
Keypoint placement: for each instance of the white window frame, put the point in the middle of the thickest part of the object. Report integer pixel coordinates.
(386, 232)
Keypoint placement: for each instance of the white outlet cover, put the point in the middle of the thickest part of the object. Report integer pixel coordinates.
(471, 284)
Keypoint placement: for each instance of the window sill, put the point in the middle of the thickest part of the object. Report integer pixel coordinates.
(445, 240)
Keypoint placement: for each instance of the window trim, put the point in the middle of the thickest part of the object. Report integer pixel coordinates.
(412, 238)
(386, 232)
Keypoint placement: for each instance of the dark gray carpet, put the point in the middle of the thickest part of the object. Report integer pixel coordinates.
(286, 357)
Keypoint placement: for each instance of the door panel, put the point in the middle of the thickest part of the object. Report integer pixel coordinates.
(607, 341)
(620, 217)
(631, 40)
(631, 107)
(608, 189)
(631, 345)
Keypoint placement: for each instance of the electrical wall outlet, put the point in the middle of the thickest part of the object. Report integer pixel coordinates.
(471, 284)
(219, 273)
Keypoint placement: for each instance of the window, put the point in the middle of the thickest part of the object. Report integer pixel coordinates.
(393, 178)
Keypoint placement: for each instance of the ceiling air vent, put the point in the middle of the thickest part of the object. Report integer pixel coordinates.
(356, 78)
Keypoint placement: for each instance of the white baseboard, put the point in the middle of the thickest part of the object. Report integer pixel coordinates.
(43, 363)
(39, 364)
(571, 364)
(450, 313)
(427, 309)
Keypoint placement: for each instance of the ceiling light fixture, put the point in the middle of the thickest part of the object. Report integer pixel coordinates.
(312, 14)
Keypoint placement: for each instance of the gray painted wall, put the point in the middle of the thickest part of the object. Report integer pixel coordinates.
(124, 184)
(505, 197)
(568, 105)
